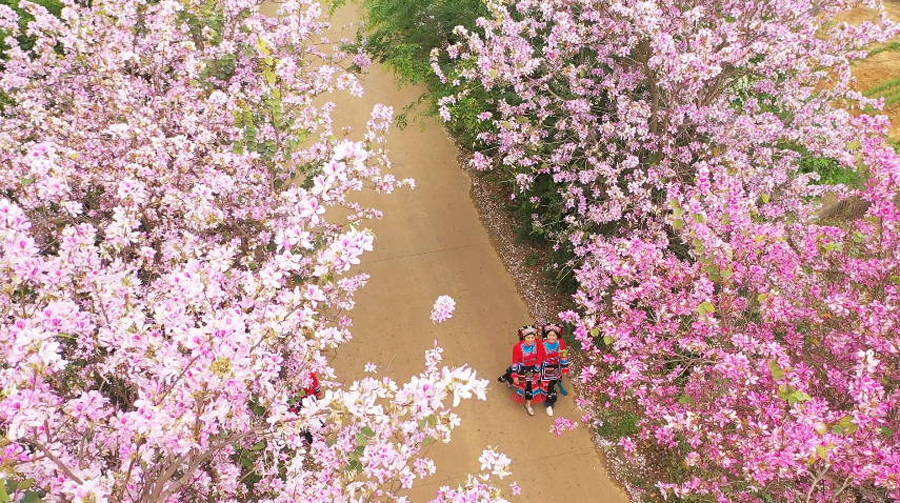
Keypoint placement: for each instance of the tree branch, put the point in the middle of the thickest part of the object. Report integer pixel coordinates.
(58, 462)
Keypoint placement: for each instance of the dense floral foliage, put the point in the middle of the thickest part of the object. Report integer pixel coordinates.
(660, 143)
(171, 273)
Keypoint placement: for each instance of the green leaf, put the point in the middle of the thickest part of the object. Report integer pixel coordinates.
(595, 332)
(247, 460)
(364, 435)
(608, 340)
(777, 371)
(4, 496)
(699, 218)
(799, 396)
(845, 426)
(727, 273)
(833, 246)
(678, 224)
(706, 307)
(685, 399)
(355, 466)
(264, 47)
(765, 197)
(792, 395)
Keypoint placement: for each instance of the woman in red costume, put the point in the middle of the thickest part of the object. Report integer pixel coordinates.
(294, 404)
(555, 363)
(527, 361)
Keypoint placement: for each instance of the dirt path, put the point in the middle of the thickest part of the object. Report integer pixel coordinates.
(882, 67)
(431, 243)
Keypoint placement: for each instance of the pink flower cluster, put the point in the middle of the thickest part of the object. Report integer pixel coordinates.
(169, 274)
(477, 488)
(443, 309)
(754, 330)
(562, 425)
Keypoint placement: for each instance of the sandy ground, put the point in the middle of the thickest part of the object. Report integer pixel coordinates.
(431, 243)
(881, 67)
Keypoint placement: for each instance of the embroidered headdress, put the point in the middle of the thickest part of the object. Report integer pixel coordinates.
(551, 327)
(527, 330)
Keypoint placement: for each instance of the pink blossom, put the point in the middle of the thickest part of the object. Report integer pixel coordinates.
(562, 425)
(494, 462)
(171, 282)
(443, 309)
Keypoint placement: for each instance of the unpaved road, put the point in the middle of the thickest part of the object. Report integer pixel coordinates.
(430, 243)
(881, 67)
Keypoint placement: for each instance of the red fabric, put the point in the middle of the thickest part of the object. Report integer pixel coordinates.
(313, 389)
(521, 377)
(556, 362)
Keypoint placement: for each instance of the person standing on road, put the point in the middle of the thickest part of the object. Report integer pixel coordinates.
(527, 360)
(506, 377)
(555, 363)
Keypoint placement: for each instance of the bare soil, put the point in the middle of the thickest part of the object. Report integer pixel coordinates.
(880, 67)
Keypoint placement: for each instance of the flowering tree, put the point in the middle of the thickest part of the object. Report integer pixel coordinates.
(169, 277)
(663, 143)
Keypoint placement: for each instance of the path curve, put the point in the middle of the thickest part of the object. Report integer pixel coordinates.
(431, 243)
